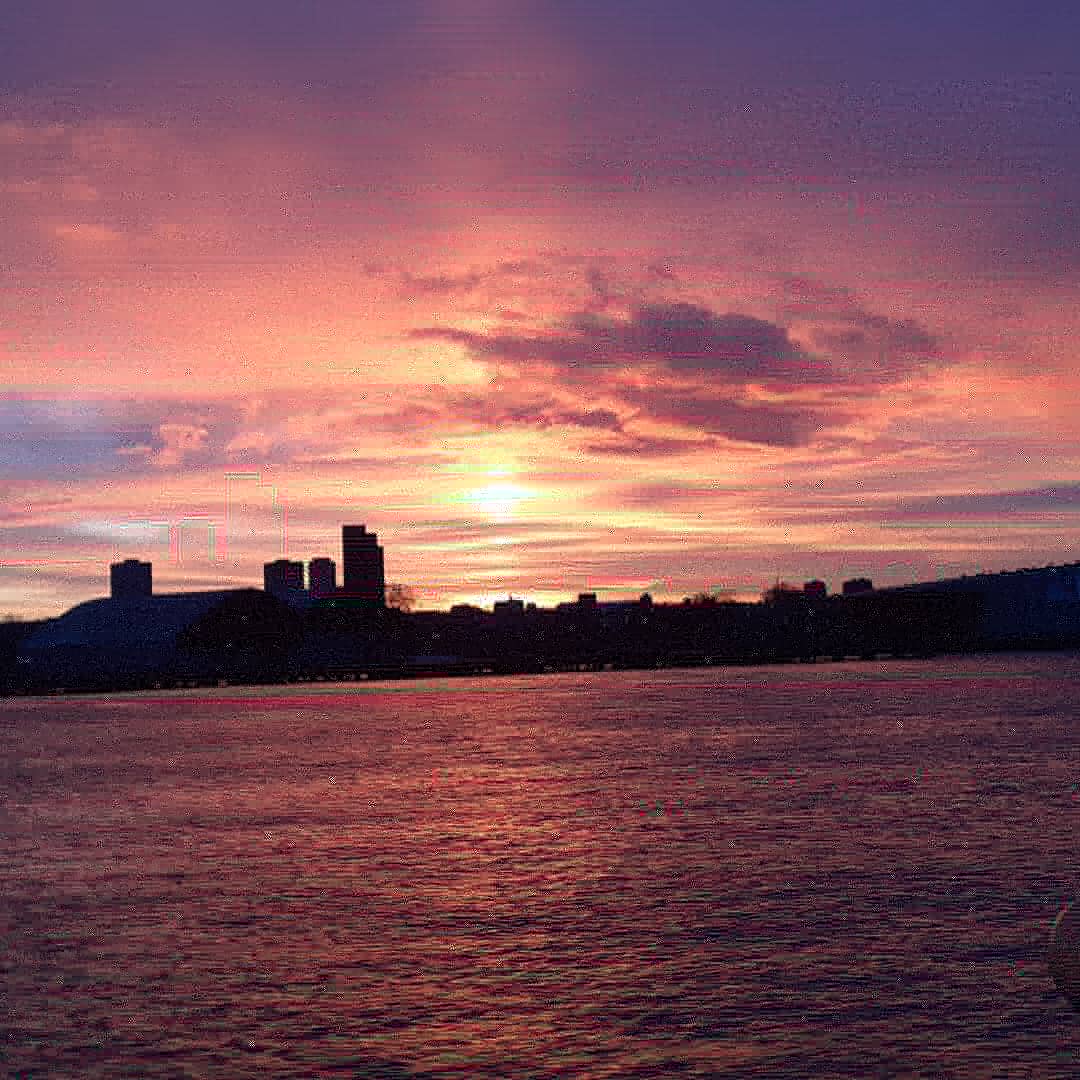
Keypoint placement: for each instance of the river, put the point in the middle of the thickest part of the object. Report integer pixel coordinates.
(840, 870)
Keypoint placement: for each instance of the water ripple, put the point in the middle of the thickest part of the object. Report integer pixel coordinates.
(846, 870)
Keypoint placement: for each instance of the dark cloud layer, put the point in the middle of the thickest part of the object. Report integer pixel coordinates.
(752, 422)
(662, 94)
(689, 338)
(1051, 500)
(731, 348)
(675, 362)
(51, 438)
(1053, 505)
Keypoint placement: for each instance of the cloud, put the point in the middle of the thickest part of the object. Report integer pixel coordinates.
(516, 403)
(179, 441)
(1050, 501)
(691, 338)
(741, 421)
(413, 285)
(876, 348)
(1054, 506)
(645, 446)
(682, 496)
(853, 347)
(679, 364)
(53, 438)
(24, 504)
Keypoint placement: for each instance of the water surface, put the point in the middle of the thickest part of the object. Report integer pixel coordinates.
(832, 870)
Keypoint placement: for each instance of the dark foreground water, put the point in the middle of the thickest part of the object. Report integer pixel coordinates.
(843, 870)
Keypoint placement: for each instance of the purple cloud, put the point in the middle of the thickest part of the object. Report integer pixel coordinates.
(679, 363)
(854, 348)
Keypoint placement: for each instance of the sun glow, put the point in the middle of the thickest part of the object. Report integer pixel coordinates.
(499, 501)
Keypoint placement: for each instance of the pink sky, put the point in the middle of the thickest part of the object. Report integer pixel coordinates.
(544, 319)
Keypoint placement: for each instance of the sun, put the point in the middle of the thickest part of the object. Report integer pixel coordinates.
(499, 501)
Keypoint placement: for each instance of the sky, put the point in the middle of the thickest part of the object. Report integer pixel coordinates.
(553, 296)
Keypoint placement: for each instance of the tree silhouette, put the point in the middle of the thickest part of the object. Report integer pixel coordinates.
(400, 597)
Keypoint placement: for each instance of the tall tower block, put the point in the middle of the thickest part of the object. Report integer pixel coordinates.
(322, 578)
(362, 565)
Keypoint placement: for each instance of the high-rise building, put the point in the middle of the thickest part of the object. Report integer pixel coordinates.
(322, 578)
(130, 578)
(283, 578)
(362, 568)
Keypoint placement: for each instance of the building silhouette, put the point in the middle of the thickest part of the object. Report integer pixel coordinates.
(855, 586)
(283, 578)
(508, 608)
(322, 578)
(130, 578)
(362, 569)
